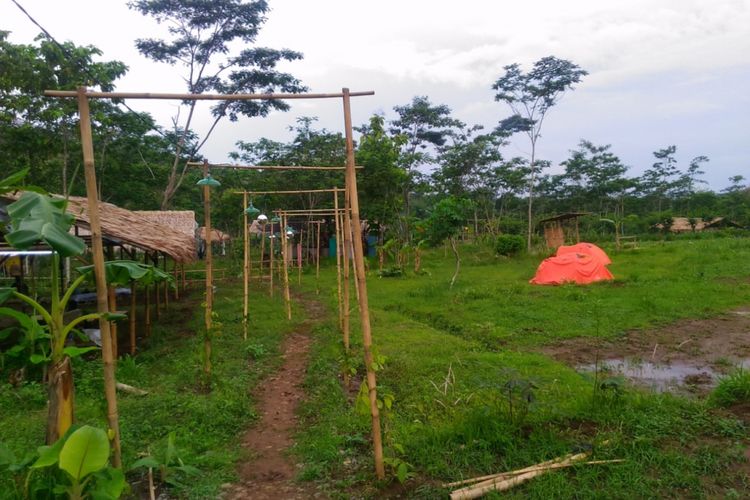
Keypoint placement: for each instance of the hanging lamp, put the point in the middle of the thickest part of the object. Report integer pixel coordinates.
(209, 181)
(251, 210)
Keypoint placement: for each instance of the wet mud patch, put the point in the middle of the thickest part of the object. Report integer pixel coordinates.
(686, 356)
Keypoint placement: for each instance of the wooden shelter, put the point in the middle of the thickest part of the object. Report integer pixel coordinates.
(562, 229)
(697, 224)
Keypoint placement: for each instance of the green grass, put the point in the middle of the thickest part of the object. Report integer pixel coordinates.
(732, 389)
(485, 331)
(169, 365)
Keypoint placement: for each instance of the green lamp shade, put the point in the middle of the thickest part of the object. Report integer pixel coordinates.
(289, 231)
(276, 219)
(209, 181)
(251, 210)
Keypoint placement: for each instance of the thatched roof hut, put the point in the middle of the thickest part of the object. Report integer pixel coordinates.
(697, 224)
(124, 227)
(216, 235)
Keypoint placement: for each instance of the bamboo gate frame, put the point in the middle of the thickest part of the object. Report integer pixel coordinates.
(351, 216)
(247, 266)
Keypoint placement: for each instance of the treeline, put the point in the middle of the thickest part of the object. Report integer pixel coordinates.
(411, 162)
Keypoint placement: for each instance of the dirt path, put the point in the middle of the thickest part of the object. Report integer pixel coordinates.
(270, 473)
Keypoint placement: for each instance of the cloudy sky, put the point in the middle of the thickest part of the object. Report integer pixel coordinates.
(661, 72)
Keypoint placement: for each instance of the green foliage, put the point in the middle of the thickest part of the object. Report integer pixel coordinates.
(172, 469)
(732, 389)
(447, 219)
(509, 244)
(36, 217)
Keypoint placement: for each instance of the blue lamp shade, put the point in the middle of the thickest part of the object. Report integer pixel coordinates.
(251, 210)
(209, 181)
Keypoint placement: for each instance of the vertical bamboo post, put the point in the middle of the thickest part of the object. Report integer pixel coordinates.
(338, 260)
(246, 265)
(345, 254)
(132, 317)
(351, 187)
(285, 258)
(157, 288)
(299, 261)
(147, 303)
(209, 274)
(176, 275)
(97, 252)
(262, 249)
(270, 268)
(112, 299)
(166, 284)
(317, 260)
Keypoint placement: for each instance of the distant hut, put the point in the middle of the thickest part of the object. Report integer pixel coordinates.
(562, 229)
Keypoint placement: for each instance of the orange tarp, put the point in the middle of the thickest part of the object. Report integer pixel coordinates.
(582, 263)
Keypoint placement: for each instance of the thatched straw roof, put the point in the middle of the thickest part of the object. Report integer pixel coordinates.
(682, 224)
(179, 220)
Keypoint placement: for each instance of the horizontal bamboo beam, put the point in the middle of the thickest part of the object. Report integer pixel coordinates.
(263, 167)
(299, 191)
(197, 97)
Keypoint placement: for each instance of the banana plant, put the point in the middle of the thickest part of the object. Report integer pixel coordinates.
(36, 217)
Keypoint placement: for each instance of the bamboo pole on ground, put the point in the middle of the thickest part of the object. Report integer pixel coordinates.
(245, 266)
(351, 188)
(285, 258)
(338, 264)
(132, 317)
(97, 252)
(209, 275)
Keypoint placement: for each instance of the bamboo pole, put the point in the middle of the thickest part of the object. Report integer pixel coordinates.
(285, 258)
(295, 191)
(262, 249)
(299, 261)
(351, 188)
(157, 289)
(209, 275)
(196, 97)
(112, 299)
(97, 252)
(270, 168)
(317, 260)
(270, 267)
(132, 317)
(338, 265)
(175, 273)
(166, 284)
(245, 267)
(345, 244)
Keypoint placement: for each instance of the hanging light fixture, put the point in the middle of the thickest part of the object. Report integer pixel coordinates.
(276, 219)
(262, 218)
(208, 181)
(251, 210)
(289, 231)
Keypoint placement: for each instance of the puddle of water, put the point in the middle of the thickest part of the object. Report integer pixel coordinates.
(657, 376)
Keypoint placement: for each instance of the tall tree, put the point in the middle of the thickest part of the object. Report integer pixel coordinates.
(593, 175)
(426, 126)
(658, 180)
(530, 96)
(212, 40)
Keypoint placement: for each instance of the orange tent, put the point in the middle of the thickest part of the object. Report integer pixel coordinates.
(582, 263)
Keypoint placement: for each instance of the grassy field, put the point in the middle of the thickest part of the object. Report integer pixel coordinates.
(472, 393)
(472, 397)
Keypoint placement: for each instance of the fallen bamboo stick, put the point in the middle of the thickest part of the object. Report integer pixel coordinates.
(130, 389)
(550, 465)
(502, 484)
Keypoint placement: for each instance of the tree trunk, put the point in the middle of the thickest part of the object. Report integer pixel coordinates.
(458, 260)
(60, 395)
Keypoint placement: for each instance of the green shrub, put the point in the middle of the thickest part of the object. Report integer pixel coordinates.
(509, 244)
(732, 389)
